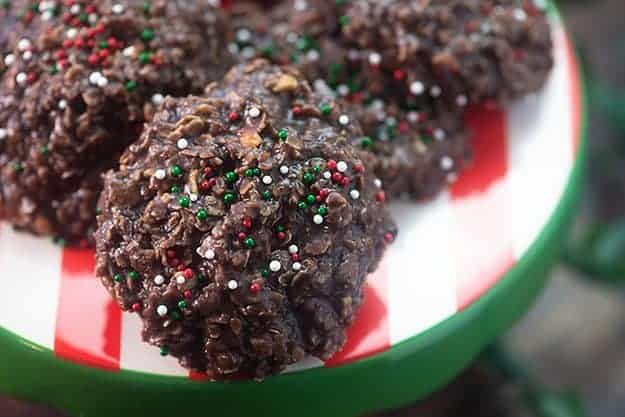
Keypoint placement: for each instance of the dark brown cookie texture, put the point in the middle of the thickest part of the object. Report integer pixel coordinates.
(412, 67)
(79, 83)
(241, 226)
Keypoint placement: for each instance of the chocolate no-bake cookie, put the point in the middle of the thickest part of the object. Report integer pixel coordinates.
(82, 78)
(414, 66)
(241, 226)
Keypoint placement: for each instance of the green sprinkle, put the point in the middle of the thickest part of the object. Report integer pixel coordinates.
(176, 315)
(54, 69)
(426, 139)
(83, 18)
(144, 57)
(266, 195)
(249, 242)
(310, 199)
(304, 43)
(6, 4)
(175, 170)
(343, 20)
(366, 142)
(316, 169)
(302, 205)
(147, 34)
(228, 198)
(308, 178)
(45, 150)
(131, 85)
(103, 44)
(147, 6)
(268, 51)
(264, 272)
(182, 304)
(18, 167)
(201, 215)
(231, 177)
(184, 201)
(174, 189)
(98, 211)
(283, 134)
(325, 109)
(164, 351)
(323, 210)
(249, 172)
(60, 241)
(133, 275)
(117, 278)
(256, 171)
(279, 228)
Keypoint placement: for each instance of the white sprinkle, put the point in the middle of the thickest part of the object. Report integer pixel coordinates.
(93, 18)
(159, 280)
(27, 55)
(341, 166)
(254, 112)
(193, 197)
(375, 58)
(244, 35)
(354, 194)
(233, 48)
(267, 180)
(520, 15)
(447, 163)
(317, 219)
(296, 266)
(9, 59)
(313, 55)
(45, 5)
(24, 44)
(413, 117)
(94, 77)
(3, 133)
(435, 91)
(160, 174)
(180, 279)
(343, 90)
(75, 9)
(129, 51)
(300, 5)
(47, 15)
(462, 100)
(292, 37)
(344, 119)
(233, 285)
(439, 134)
(248, 52)
(208, 254)
(103, 82)
(118, 8)
(293, 249)
(284, 170)
(486, 27)
(182, 143)
(162, 310)
(71, 33)
(275, 266)
(377, 182)
(157, 99)
(21, 78)
(417, 88)
(327, 175)
(62, 104)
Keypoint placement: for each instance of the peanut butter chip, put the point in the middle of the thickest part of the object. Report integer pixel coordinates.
(250, 138)
(284, 82)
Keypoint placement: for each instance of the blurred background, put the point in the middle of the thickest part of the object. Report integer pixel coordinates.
(570, 348)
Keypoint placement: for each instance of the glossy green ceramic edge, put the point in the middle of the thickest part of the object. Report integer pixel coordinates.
(405, 373)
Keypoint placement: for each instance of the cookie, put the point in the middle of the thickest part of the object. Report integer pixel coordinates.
(242, 225)
(81, 82)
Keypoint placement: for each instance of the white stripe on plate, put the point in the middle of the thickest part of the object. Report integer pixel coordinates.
(540, 151)
(31, 270)
(142, 357)
(422, 277)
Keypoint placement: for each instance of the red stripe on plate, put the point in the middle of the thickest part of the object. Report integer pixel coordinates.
(575, 90)
(369, 334)
(481, 211)
(88, 324)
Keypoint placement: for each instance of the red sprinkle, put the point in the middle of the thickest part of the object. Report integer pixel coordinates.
(175, 262)
(337, 177)
(281, 235)
(79, 43)
(246, 222)
(103, 54)
(188, 273)
(317, 198)
(380, 196)
(295, 257)
(398, 74)
(297, 111)
(181, 267)
(331, 164)
(233, 116)
(241, 236)
(32, 77)
(359, 167)
(67, 43)
(188, 294)
(255, 287)
(93, 59)
(171, 253)
(345, 181)
(324, 192)
(136, 307)
(404, 127)
(388, 237)
(208, 170)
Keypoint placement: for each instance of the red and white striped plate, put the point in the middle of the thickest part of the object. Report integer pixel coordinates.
(449, 251)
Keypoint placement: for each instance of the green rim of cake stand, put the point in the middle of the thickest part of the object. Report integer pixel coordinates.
(407, 372)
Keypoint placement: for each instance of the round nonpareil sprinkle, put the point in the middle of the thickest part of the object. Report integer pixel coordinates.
(159, 280)
(232, 285)
(354, 194)
(284, 170)
(162, 310)
(254, 112)
(182, 143)
(160, 174)
(275, 266)
(267, 180)
(293, 249)
(296, 266)
(317, 219)
(341, 166)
